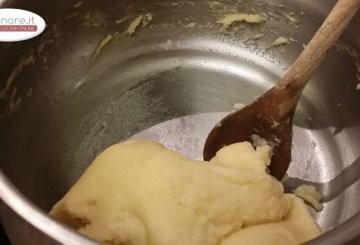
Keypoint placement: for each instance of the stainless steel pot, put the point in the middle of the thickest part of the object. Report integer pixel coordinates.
(85, 84)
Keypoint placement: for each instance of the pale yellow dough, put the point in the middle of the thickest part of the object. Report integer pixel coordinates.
(139, 192)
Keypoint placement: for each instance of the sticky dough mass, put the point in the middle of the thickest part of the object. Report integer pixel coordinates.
(139, 192)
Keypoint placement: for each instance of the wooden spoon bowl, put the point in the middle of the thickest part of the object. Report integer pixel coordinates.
(271, 115)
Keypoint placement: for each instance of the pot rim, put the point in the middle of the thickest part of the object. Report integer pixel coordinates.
(37, 217)
(32, 214)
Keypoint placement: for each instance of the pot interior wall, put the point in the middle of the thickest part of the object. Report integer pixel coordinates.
(85, 84)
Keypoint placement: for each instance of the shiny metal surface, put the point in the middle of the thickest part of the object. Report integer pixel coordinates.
(170, 81)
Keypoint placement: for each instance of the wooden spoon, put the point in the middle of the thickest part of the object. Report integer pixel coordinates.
(271, 115)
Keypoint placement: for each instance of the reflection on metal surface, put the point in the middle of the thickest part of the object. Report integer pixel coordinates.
(185, 134)
(169, 83)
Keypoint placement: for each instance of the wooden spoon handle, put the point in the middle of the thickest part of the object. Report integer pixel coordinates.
(300, 72)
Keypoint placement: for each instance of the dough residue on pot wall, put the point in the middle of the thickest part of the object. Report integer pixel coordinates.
(227, 20)
(144, 19)
(279, 41)
(94, 19)
(134, 24)
(101, 45)
(309, 194)
(139, 192)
